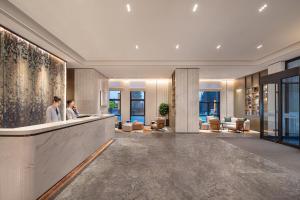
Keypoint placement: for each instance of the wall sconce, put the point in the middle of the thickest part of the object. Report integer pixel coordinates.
(238, 90)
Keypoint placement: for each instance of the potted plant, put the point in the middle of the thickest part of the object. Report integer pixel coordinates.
(164, 111)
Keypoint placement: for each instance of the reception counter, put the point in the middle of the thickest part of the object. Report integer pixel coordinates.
(34, 158)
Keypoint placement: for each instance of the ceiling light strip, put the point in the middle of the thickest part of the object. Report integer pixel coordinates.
(128, 7)
(195, 7)
(263, 8)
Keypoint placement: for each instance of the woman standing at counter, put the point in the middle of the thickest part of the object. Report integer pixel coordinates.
(52, 112)
(72, 112)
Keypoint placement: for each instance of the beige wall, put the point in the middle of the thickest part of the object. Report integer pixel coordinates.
(88, 84)
(239, 96)
(227, 99)
(276, 67)
(156, 92)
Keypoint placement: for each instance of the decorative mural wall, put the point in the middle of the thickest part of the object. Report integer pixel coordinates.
(29, 78)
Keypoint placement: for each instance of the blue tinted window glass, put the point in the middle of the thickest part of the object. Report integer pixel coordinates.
(137, 106)
(290, 110)
(114, 94)
(138, 119)
(115, 103)
(293, 64)
(209, 104)
(137, 95)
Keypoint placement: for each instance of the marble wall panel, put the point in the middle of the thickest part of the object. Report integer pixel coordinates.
(31, 77)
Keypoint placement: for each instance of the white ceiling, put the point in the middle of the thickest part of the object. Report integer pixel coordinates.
(103, 30)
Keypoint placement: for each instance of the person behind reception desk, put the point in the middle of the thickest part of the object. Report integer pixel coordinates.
(52, 112)
(72, 112)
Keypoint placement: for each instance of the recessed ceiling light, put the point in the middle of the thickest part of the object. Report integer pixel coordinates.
(128, 7)
(263, 8)
(137, 47)
(259, 46)
(177, 46)
(195, 7)
(219, 46)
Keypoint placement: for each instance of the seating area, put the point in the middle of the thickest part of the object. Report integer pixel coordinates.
(157, 125)
(228, 123)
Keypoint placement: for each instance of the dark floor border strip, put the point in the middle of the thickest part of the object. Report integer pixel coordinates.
(281, 142)
(66, 180)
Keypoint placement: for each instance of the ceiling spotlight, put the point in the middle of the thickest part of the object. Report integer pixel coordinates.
(128, 7)
(219, 46)
(195, 7)
(177, 46)
(263, 8)
(259, 46)
(137, 47)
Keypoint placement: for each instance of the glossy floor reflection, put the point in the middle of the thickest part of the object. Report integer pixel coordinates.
(192, 166)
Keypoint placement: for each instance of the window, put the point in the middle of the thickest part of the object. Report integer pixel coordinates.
(115, 103)
(137, 106)
(209, 104)
(293, 63)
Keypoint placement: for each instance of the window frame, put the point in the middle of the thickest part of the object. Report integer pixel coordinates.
(207, 103)
(290, 61)
(132, 100)
(120, 115)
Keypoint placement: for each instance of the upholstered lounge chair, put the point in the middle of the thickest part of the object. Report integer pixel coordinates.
(238, 127)
(159, 124)
(214, 124)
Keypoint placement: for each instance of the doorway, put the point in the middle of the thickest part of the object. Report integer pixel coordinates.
(279, 107)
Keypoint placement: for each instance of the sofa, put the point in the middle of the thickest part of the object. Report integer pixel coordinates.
(231, 123)
(127, 127)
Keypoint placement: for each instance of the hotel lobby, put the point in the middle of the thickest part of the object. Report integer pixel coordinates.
(137, 99)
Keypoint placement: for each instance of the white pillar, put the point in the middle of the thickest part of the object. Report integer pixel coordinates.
(187, 100)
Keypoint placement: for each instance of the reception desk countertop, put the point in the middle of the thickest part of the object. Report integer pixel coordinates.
(43, 128)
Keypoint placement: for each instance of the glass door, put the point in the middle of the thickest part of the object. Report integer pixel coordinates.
(270, 111)
(290, 110)
(280, 107)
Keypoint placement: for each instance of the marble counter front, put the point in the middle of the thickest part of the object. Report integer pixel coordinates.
(34, 158)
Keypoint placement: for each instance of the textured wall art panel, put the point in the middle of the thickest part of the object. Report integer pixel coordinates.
(30, 79)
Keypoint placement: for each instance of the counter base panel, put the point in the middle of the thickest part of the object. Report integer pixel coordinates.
(59, 186)
(30, 166)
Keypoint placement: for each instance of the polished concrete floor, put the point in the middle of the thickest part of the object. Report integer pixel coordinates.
(179, 167)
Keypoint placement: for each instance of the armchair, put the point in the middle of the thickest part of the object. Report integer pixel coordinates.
(214, 124)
